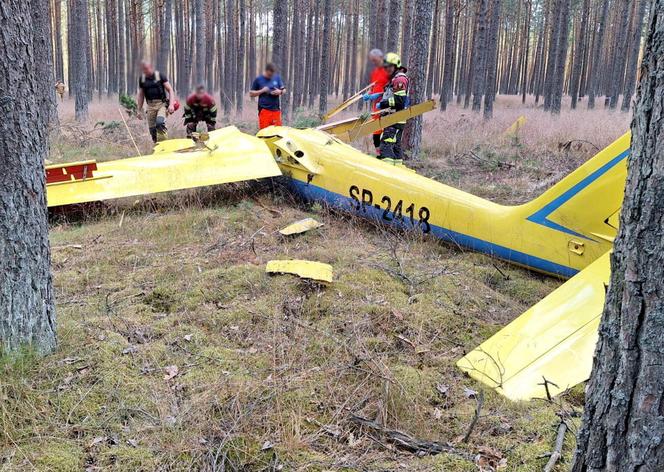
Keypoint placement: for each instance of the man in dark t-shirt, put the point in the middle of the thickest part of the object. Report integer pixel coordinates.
(268, 87)
(155, 89)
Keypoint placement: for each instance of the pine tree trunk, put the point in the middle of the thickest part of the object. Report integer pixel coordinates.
(280, 44)
(201, 35)
(448, 66)
(622, 423)
(621, 52)
(580, 52)
(559, 73)
(635, 47)
(165, 36)
(418, 72)
(122, 58)
(27, 307)
(324, 76)
(57, 36)
(492, 59)
(79, 53)
(480, 54)
(41, 25)
(408, 6)
(594, 78)
(239, 66)
(552, 54)
(393, 25)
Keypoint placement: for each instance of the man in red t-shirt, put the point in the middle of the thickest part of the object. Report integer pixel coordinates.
(379, 79)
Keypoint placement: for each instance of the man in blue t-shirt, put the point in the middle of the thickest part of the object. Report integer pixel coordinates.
(268, 87)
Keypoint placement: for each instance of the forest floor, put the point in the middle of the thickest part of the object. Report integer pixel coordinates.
(177, 351)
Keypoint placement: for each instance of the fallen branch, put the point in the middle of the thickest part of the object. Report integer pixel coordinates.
(408, 443)
(557, 450)
(478, 409)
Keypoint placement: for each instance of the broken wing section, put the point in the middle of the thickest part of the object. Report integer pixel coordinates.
(230, 156)
(554, 340)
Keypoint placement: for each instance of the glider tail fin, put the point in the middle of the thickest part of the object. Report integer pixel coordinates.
(587, 202)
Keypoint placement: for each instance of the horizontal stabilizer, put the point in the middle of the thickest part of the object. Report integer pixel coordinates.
(228, 156)
(554, 340)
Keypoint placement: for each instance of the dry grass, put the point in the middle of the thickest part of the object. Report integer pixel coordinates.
(269, 369)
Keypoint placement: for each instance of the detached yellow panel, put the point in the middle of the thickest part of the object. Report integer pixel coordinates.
(516, 126)
(354, 128)
(232, 157)
(554, 340)
(305, 269)
(301, 226)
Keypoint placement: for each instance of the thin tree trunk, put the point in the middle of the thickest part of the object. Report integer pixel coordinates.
(580, 52)
(597, 54)
(492, 59)
(448, 67)
(635, 47)
(559, 74)
(325, 58)
(79, 52)
(418, 62)
(393, 25)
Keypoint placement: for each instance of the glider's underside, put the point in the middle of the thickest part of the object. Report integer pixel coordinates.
(562, 232)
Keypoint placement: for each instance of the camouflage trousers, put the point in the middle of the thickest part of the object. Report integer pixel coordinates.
(157, 111)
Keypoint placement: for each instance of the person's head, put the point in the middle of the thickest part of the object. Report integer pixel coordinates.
(270, 70)
(392, 63)
(376, 57)
(200, 91)
(147, 68)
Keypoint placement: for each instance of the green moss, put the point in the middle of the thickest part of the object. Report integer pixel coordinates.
(162, 299)
(128, 458)
(58, 456)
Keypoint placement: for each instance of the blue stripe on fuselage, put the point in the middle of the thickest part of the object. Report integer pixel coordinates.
(313, 192)
(541, 216)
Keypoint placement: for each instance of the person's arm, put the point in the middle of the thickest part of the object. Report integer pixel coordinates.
(171, 96)
(213, 113)
(188, 114)
(280, 90)
(256, 93)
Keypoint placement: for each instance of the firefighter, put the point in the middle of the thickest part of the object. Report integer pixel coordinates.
(156, 90)
(200, 106)
(379, 79)
(395, 98)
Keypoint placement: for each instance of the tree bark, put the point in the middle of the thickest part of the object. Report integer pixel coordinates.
(492, 59)
(623, 426)
(324, 78)
(80, 59)
(580, 52)
(448, 61)
(480, 56)
(559, 73)
(418, 71)
(593, 80)
(27, 307)
(393, 25)
(635, 47)
(620, 53)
